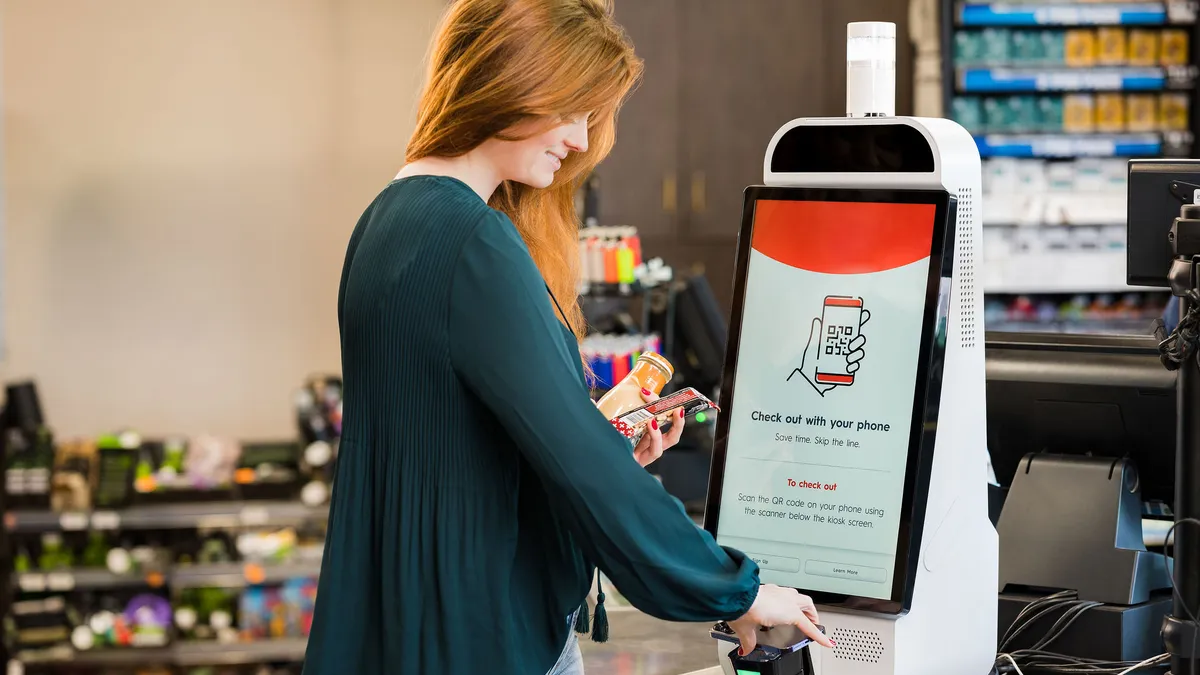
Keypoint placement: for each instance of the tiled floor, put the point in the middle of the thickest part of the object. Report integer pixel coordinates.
(642, 645)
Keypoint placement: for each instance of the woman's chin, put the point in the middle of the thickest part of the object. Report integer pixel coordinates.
(538, 180)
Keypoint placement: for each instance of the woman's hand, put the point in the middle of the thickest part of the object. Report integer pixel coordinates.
(778, 606)
(654, 442)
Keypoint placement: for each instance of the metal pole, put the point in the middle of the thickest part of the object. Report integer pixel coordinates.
(1187, 499)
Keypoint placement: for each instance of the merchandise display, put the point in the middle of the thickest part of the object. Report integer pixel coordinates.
(1072, 47)
(171, 553)
(613, 357)
(1059, 96)
(1072, 113)
(609, 255)
(1129, 313)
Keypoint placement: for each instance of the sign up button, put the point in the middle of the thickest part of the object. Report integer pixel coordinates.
(775, 562)
(820, 568)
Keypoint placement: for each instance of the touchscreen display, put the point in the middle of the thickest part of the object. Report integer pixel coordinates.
(822, 409)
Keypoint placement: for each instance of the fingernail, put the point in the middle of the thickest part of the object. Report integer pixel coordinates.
(645, 392)
(740, 652)
(679, 413)
(654, 424)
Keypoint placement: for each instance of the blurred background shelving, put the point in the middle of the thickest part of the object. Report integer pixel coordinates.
(1059, 96)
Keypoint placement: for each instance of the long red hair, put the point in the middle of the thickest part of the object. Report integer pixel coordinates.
(497, 63)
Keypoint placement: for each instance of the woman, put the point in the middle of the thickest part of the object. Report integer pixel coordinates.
(478, 487)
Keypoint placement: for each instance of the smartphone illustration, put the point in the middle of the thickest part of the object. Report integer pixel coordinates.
(841, 318)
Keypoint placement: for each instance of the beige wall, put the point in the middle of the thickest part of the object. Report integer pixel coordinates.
(180, 178)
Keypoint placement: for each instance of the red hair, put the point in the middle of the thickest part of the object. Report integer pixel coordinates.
(497, 63)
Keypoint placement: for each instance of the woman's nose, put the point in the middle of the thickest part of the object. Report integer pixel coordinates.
(577, 140)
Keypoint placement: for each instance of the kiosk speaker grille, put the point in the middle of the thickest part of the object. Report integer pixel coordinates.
(863, 646)
(965, 259)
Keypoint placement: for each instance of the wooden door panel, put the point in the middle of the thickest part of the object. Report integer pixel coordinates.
(646, 151)
(749, 67)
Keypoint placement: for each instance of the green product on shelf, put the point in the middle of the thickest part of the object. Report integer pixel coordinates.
(1027, 47)
(173, 454)
(1054, 47)
(1024, 113)
(997, 47)
(1050, 113)
(54, 554)
(95, 555)
(997, 115)
(968, 47)
(22, 562)
(968, 111)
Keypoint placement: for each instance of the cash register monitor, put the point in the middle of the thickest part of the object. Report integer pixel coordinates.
(1103, 395)
(829, 394)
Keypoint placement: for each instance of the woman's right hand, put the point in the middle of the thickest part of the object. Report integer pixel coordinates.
(778, 606)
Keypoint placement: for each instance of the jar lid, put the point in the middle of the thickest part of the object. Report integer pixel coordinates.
(660, 362)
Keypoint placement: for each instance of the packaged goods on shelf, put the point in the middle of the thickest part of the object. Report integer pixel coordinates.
(612, 356)
(609, 255)
(1072, 113)
(1085, 191)
(1110, 113)
(1128, 313)
(1073, 47)
(1174, 47)
(1141, 112)
(1112, 46)
(1174, 111)
(1143, 47)
(1079, 113)
(1081, 48)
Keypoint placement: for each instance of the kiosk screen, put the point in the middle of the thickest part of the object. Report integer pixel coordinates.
(832, 375)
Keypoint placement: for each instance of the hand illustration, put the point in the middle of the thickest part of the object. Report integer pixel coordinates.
(808, 365)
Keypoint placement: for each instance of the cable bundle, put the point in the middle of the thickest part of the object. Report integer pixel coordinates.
(1037, 657)
(1180, 345)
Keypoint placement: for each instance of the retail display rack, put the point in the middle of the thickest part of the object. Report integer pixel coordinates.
(1059, 95)
(188, 556)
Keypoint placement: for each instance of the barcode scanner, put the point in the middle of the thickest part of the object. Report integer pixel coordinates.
(782, 650)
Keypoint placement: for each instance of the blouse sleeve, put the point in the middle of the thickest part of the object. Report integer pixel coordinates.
(507, 346)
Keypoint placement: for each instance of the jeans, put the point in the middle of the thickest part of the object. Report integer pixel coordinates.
(570, 662)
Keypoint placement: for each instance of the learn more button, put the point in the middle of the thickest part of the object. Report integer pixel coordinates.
(821, 568)
(775, 562)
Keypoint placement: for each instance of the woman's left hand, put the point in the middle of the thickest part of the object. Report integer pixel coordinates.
(654, 442)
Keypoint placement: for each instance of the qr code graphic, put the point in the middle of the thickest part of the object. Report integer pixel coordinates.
(837, 340)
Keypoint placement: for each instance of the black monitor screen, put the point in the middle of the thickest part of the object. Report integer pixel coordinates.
(832, 374)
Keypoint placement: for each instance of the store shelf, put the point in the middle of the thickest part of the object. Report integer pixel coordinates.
(225, 575)
(240, 653)
(1085, 327)
(1055, 271)
(1015, 79)
(1084, 145)
(182, 654)
(235, 575)
(212, 515)
(1058, 14)
(85, 579)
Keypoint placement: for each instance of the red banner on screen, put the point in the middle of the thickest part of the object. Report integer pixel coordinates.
(843, 237)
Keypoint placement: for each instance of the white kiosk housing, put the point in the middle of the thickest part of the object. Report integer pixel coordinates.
(947, 624)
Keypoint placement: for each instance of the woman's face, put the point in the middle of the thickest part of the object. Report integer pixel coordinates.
(535, 160)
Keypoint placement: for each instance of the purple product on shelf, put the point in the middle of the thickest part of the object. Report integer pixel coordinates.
(149, 609)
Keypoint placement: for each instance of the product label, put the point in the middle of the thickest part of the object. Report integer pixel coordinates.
(633, 423)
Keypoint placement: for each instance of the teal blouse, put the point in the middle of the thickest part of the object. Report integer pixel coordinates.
(477, 485)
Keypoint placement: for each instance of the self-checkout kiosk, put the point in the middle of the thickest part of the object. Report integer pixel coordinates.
(850, 457)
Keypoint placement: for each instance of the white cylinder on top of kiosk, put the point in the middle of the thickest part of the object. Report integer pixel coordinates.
(871, 69)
